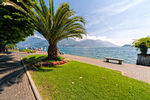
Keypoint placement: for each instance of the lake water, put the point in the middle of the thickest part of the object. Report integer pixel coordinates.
(129, 54)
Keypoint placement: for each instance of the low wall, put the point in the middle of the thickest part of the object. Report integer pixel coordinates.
(143, 60)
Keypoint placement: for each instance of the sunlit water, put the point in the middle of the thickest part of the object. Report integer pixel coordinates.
(129, 54)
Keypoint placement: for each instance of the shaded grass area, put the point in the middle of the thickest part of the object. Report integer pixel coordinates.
(76, 80)
(43, 57)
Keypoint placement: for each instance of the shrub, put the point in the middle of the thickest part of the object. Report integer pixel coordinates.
(66, 60)
(143, 44)
(27, 51)
(51, 64)
(59, 58)
(45, 64)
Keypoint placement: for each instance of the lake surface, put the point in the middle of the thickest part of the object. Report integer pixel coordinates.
(129, 54)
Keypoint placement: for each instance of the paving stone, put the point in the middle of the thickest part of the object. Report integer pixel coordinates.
(14, 84)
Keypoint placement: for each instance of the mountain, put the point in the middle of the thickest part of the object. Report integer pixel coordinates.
(37, 42)
(127, 45)
(94, 43)
(66, 43)
(31, 41)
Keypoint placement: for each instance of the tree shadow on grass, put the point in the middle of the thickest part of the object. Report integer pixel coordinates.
(32, 59)
(43, 68)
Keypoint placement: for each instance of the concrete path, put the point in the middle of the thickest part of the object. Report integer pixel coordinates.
(14, 84)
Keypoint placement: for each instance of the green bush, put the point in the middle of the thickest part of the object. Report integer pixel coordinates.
(27, 51)
(11, 46)
(143, 44)
(143, 48)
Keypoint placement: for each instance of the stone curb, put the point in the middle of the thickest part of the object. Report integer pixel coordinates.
(34, 89)
(2, 56)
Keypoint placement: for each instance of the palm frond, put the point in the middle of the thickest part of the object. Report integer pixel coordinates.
(51, 8)
(54, 27)
(44, 8)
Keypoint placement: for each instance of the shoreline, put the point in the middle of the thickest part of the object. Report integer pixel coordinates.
(128, 54)
(82, 56)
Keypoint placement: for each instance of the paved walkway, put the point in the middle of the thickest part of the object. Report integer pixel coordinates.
(134, 71)
(14, 84)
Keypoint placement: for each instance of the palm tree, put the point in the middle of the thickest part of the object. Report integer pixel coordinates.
(53, 26)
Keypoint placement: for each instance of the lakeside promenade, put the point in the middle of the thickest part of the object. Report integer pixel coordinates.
(138, 72)
(14, 84)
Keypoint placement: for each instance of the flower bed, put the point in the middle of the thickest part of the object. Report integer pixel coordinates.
(39, 62)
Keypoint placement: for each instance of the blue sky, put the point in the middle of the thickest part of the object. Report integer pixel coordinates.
(117, 21)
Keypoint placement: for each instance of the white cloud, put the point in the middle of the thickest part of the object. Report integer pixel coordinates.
(102, 38)
(125, 22)
(41, 37)
(118, 7)
(146, 15)
(92, 20)
(99, 15)
(111, 28)
(127, 6)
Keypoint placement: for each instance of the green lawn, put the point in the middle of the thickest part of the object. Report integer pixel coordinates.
(76, 80)
(12, 50)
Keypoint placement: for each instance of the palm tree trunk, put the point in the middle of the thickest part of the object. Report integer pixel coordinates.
(52, 51)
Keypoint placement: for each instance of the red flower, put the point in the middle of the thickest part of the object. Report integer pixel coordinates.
(54, 63)
(61, 62)
(58, 63)
(45, 64)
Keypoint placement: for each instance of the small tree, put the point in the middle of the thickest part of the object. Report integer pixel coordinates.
(143, 44)
(11, 46)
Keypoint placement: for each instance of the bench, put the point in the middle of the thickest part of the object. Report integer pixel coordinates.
(108, 58)
(61, 53)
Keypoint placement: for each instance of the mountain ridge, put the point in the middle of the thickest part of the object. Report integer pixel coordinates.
(127, 45)
(37, 42)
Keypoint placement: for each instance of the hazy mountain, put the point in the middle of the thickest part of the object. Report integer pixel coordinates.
(66, 43)
(37, 42)
(94, 43)
(31, 41)
(127, 45)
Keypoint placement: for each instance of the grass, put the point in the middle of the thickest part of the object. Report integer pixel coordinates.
(12, 50)
(76, 80)
(32, 58)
